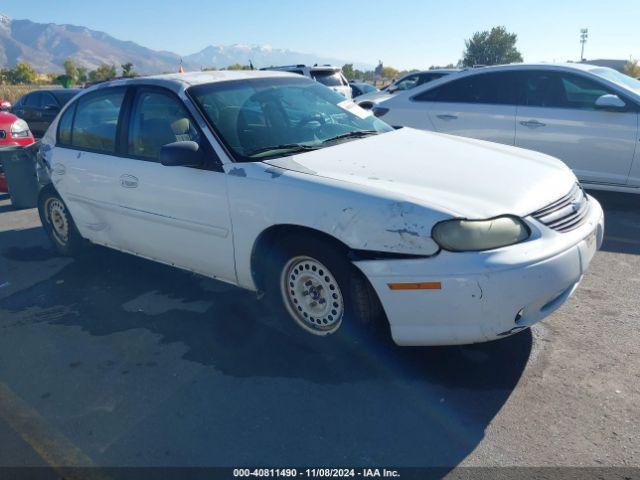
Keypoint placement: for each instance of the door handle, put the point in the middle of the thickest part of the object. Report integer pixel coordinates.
(128, 181)
(532, 124)
(447, 117)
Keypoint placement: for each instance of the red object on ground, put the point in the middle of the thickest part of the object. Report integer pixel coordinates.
(9, 139)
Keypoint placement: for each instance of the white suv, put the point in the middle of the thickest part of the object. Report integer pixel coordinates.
(272, 182)
(327, 75)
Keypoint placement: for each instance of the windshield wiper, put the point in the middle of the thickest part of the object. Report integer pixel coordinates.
(354, 134)
(296, 147)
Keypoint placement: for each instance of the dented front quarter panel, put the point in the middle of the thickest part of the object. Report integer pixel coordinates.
(363, 218)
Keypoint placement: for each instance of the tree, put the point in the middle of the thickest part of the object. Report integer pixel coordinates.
(632, 68)
(82, 75)
(348, 71)
(237, 66)
(389, 72)
(127, 70)
(493, 47)
(102, 73)
(71, 69)
(23, 73)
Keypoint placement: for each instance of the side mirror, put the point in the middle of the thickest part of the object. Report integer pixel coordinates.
(610, 101)
(181, 154)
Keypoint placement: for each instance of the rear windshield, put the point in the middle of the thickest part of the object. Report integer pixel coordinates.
(330, 78)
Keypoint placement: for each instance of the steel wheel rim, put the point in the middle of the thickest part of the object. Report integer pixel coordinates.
(312, 295)
(57, 218)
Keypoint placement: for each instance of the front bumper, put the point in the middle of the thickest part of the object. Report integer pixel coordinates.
(485, 295)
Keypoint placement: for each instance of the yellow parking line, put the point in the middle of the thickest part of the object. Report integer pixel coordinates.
(51, 445)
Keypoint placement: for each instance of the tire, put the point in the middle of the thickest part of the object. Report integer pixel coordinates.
(311, 281)
(58, 223)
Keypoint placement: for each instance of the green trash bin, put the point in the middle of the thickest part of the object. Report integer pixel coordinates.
(19, 164)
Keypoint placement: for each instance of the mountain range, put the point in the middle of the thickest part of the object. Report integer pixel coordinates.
(47, 45)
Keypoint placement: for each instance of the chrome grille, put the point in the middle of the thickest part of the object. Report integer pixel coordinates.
(566, 213)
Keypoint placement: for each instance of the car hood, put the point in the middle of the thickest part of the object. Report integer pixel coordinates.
(374, 97)
(459, 176)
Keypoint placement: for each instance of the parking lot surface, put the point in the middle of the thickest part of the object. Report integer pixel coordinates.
(115, 360)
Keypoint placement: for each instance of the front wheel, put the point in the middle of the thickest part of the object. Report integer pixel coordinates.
(313, 281)
(58, 224)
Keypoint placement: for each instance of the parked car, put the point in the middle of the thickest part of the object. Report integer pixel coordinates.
(583, 114)
(14, 132)
(361, 88)
(5, 105)
(327, 75)
(40, 107)
(272, 182)
(406, 82)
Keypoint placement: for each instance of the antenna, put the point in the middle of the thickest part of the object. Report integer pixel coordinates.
(584, 35)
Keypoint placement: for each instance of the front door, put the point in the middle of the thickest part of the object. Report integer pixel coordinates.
(177, 215)
(558, 116)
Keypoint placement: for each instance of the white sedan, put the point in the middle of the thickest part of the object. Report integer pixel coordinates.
(272, 182)
(585, 115)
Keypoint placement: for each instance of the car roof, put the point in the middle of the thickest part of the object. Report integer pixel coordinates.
(298, 67)
(179, 82)
(583, 67)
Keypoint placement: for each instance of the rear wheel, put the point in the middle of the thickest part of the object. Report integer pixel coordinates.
(313, 281)
(58, 224)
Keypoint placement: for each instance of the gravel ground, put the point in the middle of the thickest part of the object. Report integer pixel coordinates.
(114, 360)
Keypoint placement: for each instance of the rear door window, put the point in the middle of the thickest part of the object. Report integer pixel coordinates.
(33, 100)
(96, 120)
(487, 88)
(64, 126)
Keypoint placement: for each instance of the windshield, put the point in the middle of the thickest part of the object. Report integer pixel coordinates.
(330, 78)
(617, 77)
(64, 96)
(366, 88)
(268, 117)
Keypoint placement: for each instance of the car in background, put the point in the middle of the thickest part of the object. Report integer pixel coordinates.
(406, 82)
(361, 88)
(14, 132)
(327, 75)
(40, 107)
(585, 115)
(5, 105)
(274, 183)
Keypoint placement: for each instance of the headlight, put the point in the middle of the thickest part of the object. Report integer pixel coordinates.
(471, 235)
(19, 129)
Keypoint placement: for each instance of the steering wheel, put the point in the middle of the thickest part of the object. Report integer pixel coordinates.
(315, 117)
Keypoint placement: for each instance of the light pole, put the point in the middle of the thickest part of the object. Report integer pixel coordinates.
(584, 34)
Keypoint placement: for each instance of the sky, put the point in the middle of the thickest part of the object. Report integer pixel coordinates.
(403, 34)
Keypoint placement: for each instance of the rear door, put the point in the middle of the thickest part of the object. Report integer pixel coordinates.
(49, 108)
(479, 106)
(84, 163)
(177, 215)
(29, 111)
(557, 115)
